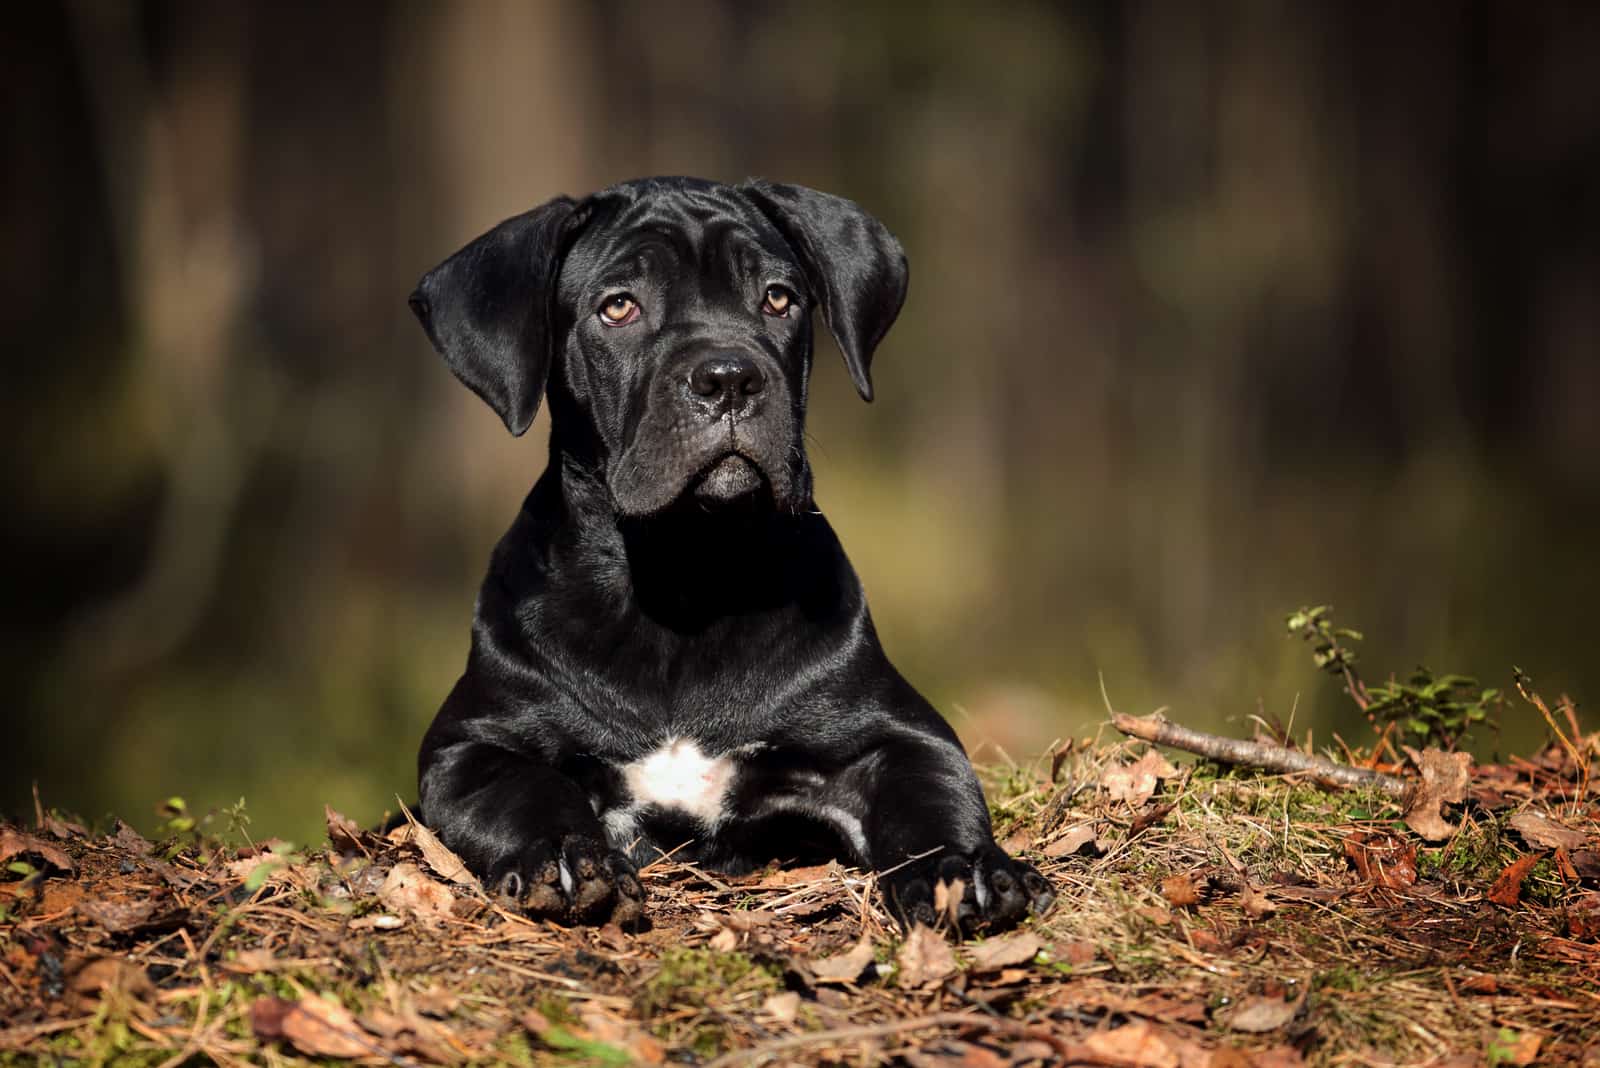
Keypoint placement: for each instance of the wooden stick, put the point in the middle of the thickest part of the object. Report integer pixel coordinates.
(1156, 728)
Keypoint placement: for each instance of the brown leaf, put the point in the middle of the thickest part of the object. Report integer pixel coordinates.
(925, 959)
(1583, 917)
(111, 975)
(1445, 778)
(1508, 887)
(319, 1027)
(13, 842)
(783, 878)
(1277, 1057)
(1155, 914)
(1151, 816)
(845, 967)
(783, 1008)
(1136, 782)
(267, 1016)
(1257, 1014)
(407, 890)
(1134, 1045)
(1181, 890)
(62, 829)
(1586, 862)
(344, 833)
(995, 953)
(1076, 953)
(131, 840)
(1255, 904)
(1382, 859)
(951, 1053)
(250, 961)
(1542, 832)
(438, 856)
(1072, 841)
(118, 917)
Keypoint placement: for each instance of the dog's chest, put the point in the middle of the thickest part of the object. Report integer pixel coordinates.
(679, 775)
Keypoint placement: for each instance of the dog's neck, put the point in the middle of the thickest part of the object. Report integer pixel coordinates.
(691, 564)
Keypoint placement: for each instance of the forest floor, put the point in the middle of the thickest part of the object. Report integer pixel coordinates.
(1206, 915)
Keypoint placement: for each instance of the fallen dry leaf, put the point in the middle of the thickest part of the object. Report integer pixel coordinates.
(105, 975)
(1134, 1045)
(951, 1053)
(1542, 832)
(996, 953)
(319, 1027)
(925, 959)
(1277, 1057)
(1181, 890)
(344, 833)
(1445, 778)
(408, 890)
(250, 961)
(783, 1008)
(1382, 859)
(782, 878)
(845, 967)
(1255, 904)
(1257, 1014)
(1583, 917)
(438, 856)
(118, 917)
(1076, 953)
(1136, 782)
(1072, 841)
(13, 842)
(1507, 889)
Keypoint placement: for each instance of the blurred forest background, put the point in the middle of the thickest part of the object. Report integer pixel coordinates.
(1217, 309)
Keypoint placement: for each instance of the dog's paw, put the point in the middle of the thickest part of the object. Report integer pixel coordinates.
(985, 890)
(578, 879)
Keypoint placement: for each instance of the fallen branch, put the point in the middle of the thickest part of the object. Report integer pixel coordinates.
(1156, 728)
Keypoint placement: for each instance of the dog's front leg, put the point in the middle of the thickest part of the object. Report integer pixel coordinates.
(924, 822)
(528, 831)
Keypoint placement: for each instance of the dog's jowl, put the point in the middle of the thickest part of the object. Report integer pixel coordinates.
(671, 651)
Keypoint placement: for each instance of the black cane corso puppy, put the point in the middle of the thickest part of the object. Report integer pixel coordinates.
(670, 646)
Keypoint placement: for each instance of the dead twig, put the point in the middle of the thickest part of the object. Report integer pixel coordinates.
(1158, 729)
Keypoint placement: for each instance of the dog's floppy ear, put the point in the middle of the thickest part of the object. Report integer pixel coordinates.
(487, 309)
(853, 264)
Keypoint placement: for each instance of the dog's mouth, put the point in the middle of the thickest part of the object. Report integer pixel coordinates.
(727, 478)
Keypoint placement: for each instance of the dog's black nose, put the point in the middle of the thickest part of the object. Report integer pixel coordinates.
(727, 376)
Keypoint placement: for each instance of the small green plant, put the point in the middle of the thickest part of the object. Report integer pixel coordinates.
(1429, 709)
(1435, 709)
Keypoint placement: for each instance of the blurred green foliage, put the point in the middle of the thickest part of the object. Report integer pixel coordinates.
(1214, 309)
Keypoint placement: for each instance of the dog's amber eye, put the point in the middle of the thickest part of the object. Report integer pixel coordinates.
(619, 310)
(779, 301)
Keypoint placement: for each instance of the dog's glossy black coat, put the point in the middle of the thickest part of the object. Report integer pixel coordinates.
(669, 598)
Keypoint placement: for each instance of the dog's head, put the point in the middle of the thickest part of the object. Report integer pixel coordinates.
(670, 319)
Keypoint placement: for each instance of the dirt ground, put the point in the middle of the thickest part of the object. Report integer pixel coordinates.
(1207, 915)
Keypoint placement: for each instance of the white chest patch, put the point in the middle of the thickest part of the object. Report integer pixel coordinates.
(679, 776)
